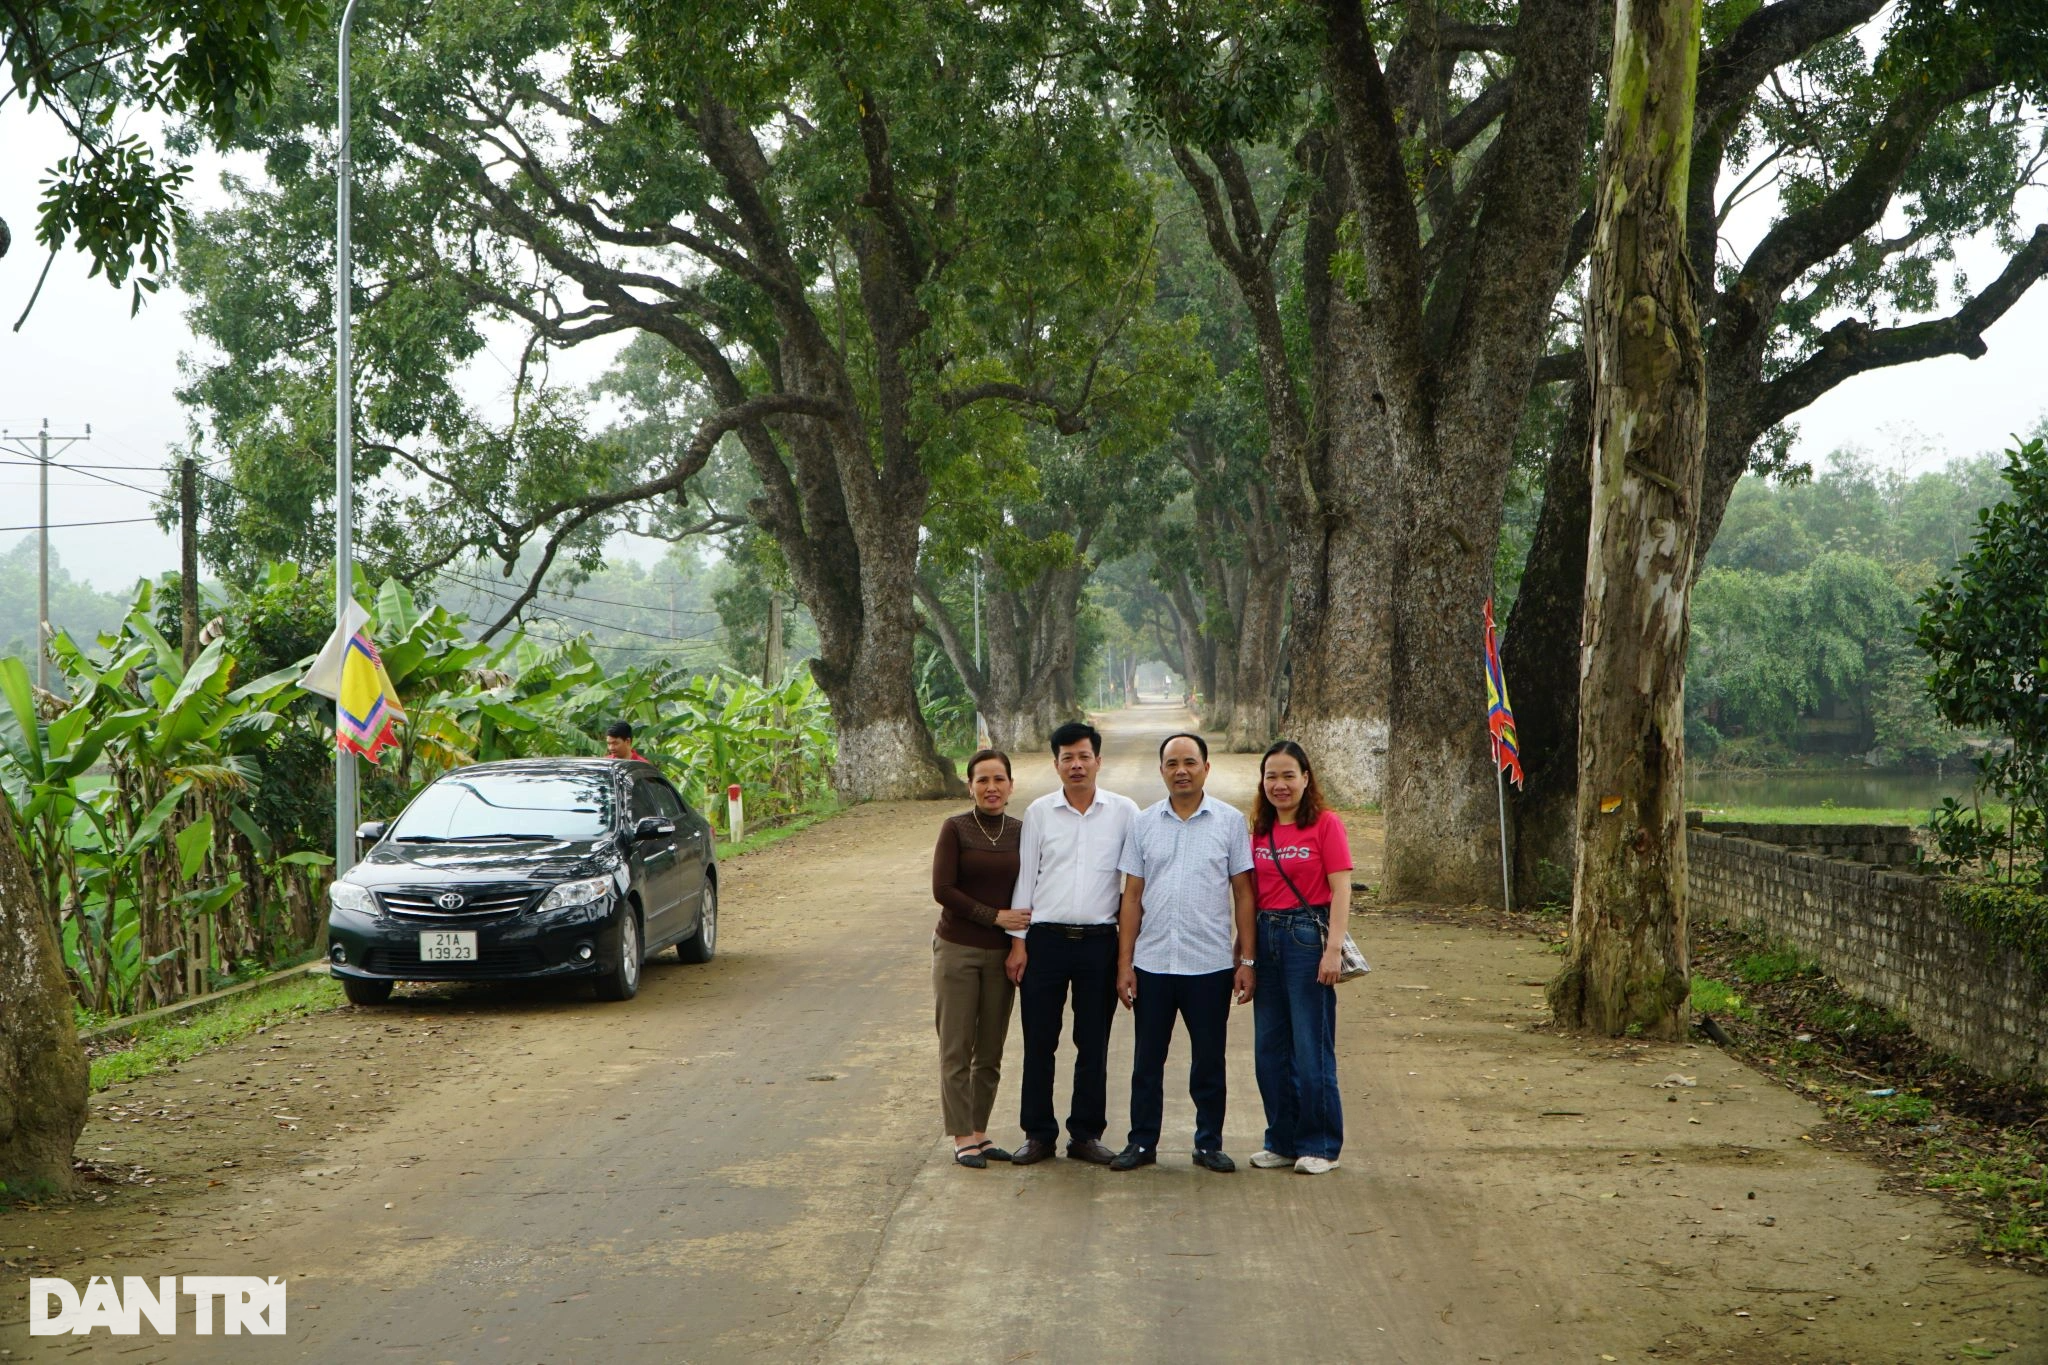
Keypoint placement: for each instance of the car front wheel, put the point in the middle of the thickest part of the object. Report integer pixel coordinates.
(362, 992)
(622, 982)
(701, 946)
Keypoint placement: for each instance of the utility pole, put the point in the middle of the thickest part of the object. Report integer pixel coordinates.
(40, 453)
(188, 558)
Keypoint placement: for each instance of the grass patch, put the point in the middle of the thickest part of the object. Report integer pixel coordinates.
(155, 1046)
(1718, 998)
(1995, 1178)
(2020, 1235)
(1856, 1016)
(1901, 1109)
(1818, 815)
(820, 809)
(1772, 965)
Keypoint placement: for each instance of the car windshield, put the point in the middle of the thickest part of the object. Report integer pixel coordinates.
(471, 807)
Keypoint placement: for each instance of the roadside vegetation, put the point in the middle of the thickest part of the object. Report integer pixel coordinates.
(1982, 1145)
(154, 1046)
(1803, 622)
(172, 801)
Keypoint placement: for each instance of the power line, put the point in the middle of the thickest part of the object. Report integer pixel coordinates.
(485, 585)
(65, 525)
(104, 478)
(131, 468)
(559, 616)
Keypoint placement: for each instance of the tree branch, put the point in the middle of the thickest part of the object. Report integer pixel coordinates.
(1853, 347)
(957, 652)
(1389, 233)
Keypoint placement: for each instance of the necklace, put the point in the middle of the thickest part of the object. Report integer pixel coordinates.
(993, 839)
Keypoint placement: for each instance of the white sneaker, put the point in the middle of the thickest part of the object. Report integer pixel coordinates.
(1312, 1165)
(1270, 1161)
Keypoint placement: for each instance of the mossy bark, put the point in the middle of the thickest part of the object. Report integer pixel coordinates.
(42, 1068)
(1627, 969)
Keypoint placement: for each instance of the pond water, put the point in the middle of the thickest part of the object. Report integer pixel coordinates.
(1865, 787)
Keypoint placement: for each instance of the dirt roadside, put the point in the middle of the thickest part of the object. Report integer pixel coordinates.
(745, 1161)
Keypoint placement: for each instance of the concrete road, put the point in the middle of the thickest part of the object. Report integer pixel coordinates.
(746, 1163)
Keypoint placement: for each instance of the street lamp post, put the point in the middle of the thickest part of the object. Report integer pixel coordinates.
(344, 441)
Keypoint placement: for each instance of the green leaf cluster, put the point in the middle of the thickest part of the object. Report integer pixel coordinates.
(1985, 629)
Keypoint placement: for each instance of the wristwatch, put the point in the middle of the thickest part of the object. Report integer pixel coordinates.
(1247, 962)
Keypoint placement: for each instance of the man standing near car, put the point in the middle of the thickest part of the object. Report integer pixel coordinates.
(618, 741)
(1185, 947)
(1067, 878)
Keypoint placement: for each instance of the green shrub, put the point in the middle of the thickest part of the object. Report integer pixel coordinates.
(1715, 997)
(1898, 1109)
(1858, 1017)
(2013, 916)
(1772, 965)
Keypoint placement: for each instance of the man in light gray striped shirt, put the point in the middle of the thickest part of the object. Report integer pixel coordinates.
(1185, 936)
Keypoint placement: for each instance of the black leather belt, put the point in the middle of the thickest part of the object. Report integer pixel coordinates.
(1077, 930)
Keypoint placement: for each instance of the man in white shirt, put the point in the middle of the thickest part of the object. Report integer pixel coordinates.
(1067, 878)
(1186, 947)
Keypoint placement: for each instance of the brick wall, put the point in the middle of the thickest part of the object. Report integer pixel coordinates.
(1884, 845)
(1884, 936)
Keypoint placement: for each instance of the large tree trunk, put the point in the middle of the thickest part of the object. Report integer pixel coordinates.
(1452, 328)
(1196, 646)
(1027, 686)
(1540, 654)
(1626, 969)
(867, 669)
(42, 1068)
(1341, 558)
(1441, 802)
(1226, 587)
(1250, 727)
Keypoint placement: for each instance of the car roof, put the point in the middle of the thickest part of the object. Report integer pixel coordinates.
(565, 764)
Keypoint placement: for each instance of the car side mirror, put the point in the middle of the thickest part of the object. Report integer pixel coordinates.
(370, 831)
(653, 827)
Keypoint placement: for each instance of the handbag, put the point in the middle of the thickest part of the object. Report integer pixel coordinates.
(1351, 963)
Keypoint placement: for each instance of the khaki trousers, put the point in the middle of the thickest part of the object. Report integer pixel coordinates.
(973, 999)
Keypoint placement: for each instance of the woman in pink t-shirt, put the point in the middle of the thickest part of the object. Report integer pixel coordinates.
(1301, 869)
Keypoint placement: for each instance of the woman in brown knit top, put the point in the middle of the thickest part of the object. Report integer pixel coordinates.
(974, 870)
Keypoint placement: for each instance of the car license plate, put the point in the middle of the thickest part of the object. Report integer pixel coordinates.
(448, 945)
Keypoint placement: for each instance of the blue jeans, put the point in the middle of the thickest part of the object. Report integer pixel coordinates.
(1296, 1023)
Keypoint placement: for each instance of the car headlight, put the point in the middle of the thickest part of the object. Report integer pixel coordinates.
(349, 896)
(586, 891)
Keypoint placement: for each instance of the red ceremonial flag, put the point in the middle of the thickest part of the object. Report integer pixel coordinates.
(1500, 718)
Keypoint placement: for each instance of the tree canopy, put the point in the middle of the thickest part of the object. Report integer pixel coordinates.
(116, 197)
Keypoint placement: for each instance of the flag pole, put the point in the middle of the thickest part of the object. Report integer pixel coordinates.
(1500, 787)
(344, 473)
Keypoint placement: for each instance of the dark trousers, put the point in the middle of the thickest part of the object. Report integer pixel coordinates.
(1203, 1002)
(1056, 964)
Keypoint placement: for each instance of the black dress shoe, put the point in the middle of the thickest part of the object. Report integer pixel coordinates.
(1130, 1158)
(1034, 1149)
(993, 1152)
(970, 1156)
(1215, 1161)
(1089, 1149)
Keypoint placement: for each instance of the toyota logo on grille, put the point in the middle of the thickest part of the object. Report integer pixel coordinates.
(449, 900)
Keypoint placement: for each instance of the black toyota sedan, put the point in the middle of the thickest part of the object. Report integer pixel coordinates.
(524, 870)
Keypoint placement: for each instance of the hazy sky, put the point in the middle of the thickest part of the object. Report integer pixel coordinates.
(80, 359)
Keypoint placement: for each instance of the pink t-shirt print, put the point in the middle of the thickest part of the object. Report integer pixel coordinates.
(1310, 855)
